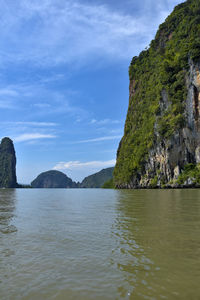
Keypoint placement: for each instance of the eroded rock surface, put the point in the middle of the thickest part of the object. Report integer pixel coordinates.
(7, 164)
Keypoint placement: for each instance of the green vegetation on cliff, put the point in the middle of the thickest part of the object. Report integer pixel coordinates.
(53, 179)
(192, 173)
(7, 164)
(158, 72)
(108, 184)
(98, 179)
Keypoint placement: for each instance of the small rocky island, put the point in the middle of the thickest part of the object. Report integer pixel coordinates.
(8, 177)
(98, 179)
(53, 179)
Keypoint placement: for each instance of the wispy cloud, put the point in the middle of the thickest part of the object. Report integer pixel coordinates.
(53, 32)
(6, 104)
(79, 165)
(8, 92)
(13, 95)
(36, 124)
(52, 78)
(79, 170)
(42, 105)
(100, 139)
(32, 136)
(104, 121)
(42, 99)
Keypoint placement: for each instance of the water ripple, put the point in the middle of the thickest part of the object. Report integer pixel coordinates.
(99, 244)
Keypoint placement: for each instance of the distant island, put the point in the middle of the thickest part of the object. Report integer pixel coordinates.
(53, 179)
(57, 179)
(97, 180)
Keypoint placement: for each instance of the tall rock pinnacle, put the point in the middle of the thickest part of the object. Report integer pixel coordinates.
(7, 164)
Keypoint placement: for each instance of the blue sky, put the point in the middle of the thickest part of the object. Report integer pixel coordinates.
(64, 79)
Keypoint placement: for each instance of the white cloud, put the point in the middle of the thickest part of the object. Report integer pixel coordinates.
(13, 95)
(100, 139)
(78, 170)
(24, 96)
(104, 121)
(80, 165)
(32, 136)
(8, 92)
(6, 104)
(51, 32)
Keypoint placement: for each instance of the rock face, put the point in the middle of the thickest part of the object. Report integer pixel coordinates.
(161, 142)
(7, 164)
(98, 179)
(53, 179)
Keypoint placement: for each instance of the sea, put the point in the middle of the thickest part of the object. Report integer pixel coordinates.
(99, 244)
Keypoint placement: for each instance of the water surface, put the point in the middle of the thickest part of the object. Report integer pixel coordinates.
(99, 244)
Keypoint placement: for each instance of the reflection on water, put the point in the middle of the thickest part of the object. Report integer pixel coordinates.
(7, 211)
(158, 236)
(99, 244)
(7, 207)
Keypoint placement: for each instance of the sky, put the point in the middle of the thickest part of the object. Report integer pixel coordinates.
(64, 79)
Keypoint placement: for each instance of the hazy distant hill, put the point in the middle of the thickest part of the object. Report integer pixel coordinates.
(53, 179)
(98, 179)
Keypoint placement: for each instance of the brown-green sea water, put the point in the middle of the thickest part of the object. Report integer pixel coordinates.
(99, 244)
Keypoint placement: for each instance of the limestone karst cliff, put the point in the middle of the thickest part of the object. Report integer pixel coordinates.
(7, 164)
(161, 142)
